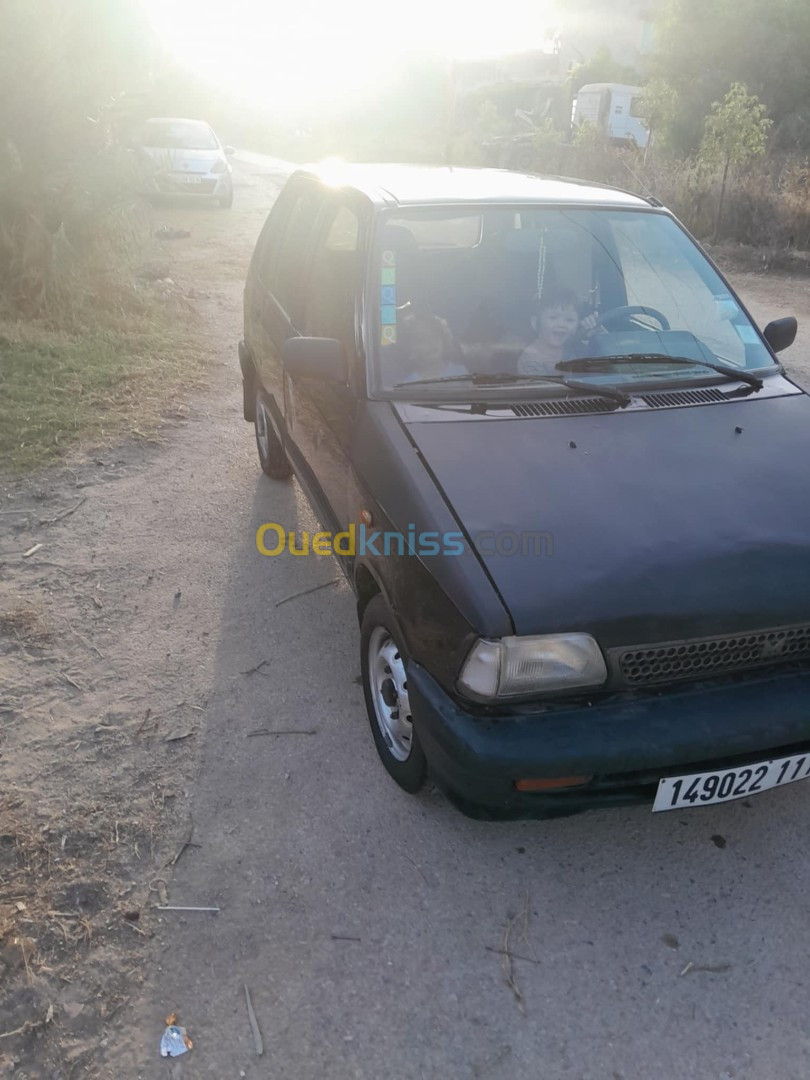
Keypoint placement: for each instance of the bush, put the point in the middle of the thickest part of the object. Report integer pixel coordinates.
(766, 205)
(60, 171)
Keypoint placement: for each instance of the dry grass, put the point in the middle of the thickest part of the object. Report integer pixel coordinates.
(767, 205)
(105, 352)
(103, 362)
(26, 624)
(60, 899)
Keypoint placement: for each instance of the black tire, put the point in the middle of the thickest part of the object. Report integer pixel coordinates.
(272, 458)
(379, 627)
(226, 201)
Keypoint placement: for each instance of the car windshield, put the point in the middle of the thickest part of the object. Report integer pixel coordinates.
(178, 135)
(613, 296)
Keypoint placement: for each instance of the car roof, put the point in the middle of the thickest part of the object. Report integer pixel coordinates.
(413, 185)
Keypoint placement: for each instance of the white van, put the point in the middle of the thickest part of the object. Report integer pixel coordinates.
(613, 109)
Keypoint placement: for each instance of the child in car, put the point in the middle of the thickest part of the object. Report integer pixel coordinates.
(559, 327)
(426, 348)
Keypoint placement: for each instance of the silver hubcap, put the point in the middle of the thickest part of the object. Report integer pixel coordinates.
(389, 692)
(262, 421)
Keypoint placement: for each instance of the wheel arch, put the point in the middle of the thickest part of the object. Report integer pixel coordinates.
(366, 586)
(248, 381)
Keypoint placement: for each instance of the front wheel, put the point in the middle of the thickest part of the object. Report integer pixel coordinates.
(226, 201)
(272, 458)
(385, 685)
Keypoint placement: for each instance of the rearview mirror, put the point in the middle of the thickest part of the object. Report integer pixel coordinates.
(781, 333)
(315, 358)
(229, 150)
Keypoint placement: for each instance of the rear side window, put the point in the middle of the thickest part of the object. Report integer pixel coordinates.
(267, 246)
(332, 288)
(286, 266)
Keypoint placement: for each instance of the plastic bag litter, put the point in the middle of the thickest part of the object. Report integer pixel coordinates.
(174, 1041)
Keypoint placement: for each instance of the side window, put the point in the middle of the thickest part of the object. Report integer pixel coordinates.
(266, 254)
(287, 270)
(333, 282)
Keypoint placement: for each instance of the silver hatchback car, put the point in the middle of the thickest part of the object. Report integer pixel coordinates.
(184, 157)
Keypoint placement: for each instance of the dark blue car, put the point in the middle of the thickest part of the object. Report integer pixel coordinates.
(564, 474)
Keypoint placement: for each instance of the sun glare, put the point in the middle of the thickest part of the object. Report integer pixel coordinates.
(319, 52)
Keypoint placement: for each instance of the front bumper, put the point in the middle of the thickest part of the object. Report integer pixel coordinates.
(626, 742)
(211, 185)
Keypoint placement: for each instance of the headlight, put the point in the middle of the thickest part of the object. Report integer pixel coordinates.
(518, 666)
(220, 165)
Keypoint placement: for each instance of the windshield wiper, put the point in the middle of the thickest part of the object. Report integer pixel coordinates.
(508, 379)
(590, 363)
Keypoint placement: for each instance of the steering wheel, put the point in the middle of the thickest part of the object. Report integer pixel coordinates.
(635, 309)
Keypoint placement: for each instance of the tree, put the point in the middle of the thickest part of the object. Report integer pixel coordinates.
(705, 47)
(660, 108)
(61, 65)
(736, 131)
(601, 67)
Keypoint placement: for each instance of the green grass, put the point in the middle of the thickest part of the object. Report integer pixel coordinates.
(105, 352)
(60, 389)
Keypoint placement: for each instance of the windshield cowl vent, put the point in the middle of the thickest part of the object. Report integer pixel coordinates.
(662, 399)
(565, 407)
(665, 399)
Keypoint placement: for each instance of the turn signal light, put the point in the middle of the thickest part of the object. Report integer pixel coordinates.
(549, 783)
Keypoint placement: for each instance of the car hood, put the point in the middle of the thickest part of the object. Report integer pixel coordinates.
(174, 160)
(654, 525)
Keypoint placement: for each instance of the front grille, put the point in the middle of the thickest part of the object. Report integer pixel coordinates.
(706, 657)
(665, 399)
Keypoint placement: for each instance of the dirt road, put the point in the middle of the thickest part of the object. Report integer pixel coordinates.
(369, 926)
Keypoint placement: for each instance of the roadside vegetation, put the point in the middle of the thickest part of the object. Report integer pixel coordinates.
(58, 387)
(726, 95)
(91, 346)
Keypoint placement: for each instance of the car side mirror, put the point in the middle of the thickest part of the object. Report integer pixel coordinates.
(229, 151)
(323, 359)
(781, 333)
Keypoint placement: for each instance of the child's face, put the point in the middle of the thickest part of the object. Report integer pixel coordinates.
(426, 341)
(556, 325)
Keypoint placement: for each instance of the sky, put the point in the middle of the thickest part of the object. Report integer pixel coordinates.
(301, 53)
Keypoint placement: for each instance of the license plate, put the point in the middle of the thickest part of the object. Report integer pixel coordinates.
(190, 178)
(725, 785)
